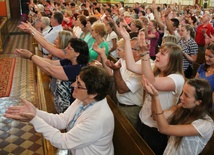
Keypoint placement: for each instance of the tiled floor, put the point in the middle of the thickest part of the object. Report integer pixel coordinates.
(19, 138)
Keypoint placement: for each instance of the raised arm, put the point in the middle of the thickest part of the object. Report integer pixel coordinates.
(27, 27)
(119, 82)
(162, 83)
(156, 14)
(161, 116)
(130, 62)
(52, 67)
(42, 41)
(48, 45)
(102, 54)
(168, 22)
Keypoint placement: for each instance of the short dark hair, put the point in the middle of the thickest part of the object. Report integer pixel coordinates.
(122, 3)
(175, 22)
(72, 4)
(98, 9)
(194, 19)
(136, 10)
(81, 47)
(83, 4)
(85, 12)
(108, 10)
(48, 1)
(82, 19)
(58, 16)
(97, 81)
(91, 19)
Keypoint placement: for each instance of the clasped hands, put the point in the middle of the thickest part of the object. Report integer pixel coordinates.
(149, 88)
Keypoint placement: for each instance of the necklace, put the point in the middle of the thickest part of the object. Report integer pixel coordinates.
(210, 70)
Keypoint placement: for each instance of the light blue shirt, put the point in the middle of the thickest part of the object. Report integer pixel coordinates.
(51, 36)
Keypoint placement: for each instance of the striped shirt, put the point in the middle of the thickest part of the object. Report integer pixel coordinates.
(189, 47)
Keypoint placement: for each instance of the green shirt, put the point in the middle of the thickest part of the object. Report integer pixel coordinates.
(93, 54)
(88, 39)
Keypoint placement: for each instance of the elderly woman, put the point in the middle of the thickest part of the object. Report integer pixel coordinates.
(76, 56)
(89, 120)
(67, 20)
(98, 31)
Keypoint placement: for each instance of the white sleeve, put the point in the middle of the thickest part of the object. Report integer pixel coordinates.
(204, 127)
(79, 136)
(134, 82)
(179, 82)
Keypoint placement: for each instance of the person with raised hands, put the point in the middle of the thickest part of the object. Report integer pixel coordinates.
(129, 93)
(57, 48)
(167, 77)
(49, 35)
(89, 121)
(188, 123)
(64, 70)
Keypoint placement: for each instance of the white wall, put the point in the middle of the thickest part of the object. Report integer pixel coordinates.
(183, 2)
(211, 3)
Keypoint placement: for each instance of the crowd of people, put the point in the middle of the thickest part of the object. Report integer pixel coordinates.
(156, 88)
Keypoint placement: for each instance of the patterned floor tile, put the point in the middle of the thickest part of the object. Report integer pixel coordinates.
(19, 138)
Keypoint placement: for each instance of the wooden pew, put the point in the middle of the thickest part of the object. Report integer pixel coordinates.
(126, 139)
(45, 99)
(112, 58)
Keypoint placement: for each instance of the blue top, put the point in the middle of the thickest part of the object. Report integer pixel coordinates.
(63, 94)
(202, 74)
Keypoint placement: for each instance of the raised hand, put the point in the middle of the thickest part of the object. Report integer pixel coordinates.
(167, 12)
(26, 27)
(154, 6)
(148, 87)
(123, 32)
(142, 41)
(25, 112)
(97, 49)
(95, 63)
(23, 53)
(113, 66)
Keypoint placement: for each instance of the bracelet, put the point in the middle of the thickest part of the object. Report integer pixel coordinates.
(31, 56)
(160, 113)
(145, 59)
(143, 54)
(33, 33)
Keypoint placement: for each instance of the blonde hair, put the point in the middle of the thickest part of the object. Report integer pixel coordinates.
(64, 37)
(170, 38)
(99, 28)
(69, 13)
(121, 43)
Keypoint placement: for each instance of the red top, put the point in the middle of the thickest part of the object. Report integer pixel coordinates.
(200, 39)
(65, 24)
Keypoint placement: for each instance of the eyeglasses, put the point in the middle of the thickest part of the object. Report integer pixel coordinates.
(135, 49)
(78, 86)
